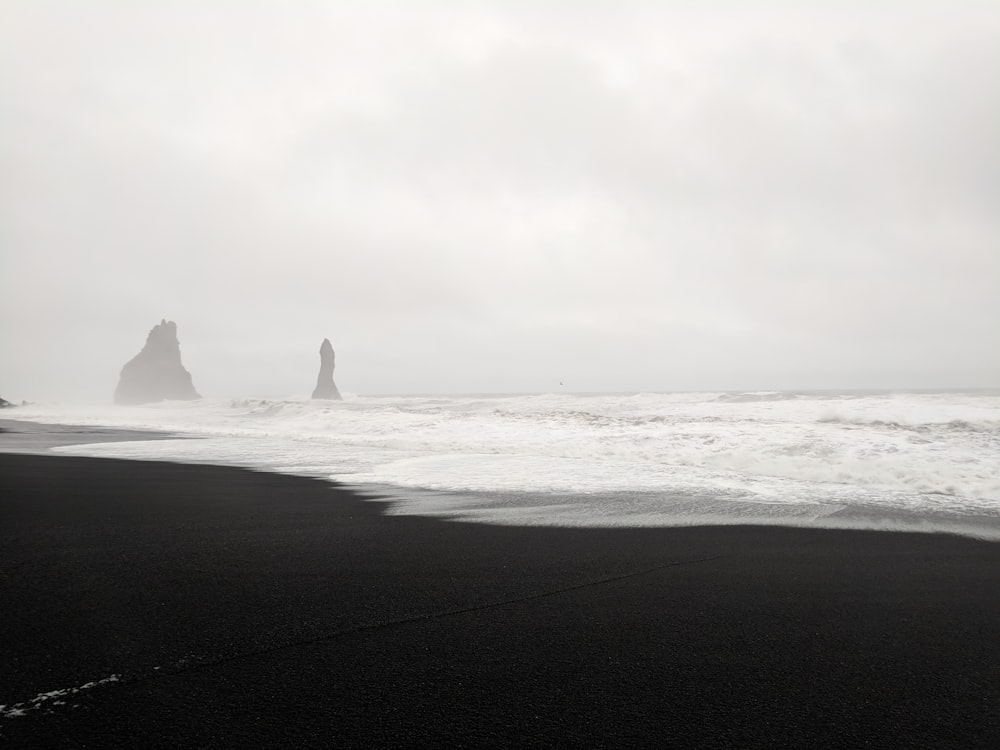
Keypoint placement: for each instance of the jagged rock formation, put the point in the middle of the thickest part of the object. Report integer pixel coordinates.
(156, 373)
(325, 387)
(4, 403)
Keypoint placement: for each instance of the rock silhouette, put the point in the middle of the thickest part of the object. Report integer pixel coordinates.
(156, 373)
(4, 403)
(325, 387)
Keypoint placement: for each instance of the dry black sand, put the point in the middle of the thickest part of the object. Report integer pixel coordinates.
(244, 609)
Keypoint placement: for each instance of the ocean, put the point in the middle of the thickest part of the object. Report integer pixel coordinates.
(916, 461)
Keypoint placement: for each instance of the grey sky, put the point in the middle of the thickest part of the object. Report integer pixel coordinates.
(498, 196)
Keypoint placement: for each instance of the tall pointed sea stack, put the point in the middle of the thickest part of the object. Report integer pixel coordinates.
(156, 373)
(325, 387)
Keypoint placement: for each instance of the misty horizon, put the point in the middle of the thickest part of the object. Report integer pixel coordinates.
(499, 198)
(815, 383)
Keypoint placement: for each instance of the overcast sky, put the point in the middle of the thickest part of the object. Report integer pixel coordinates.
(499, 196)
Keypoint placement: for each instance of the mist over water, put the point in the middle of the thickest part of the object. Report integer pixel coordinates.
(908, 460)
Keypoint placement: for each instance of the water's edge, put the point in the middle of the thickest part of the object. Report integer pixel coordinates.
(674, 509)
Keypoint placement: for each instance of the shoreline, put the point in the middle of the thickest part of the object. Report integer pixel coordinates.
(237, 607)
(24, 436)
(471, 506)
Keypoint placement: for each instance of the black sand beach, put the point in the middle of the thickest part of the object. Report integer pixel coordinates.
(242, 609)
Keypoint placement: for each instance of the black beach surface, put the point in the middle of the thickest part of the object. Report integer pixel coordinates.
(221, 607)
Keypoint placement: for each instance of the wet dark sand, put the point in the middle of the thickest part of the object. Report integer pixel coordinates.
(243, 609)
(20, 436)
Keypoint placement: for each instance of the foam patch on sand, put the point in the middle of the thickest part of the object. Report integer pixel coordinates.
(51, 698)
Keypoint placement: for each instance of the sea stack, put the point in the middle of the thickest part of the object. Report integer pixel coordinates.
(156, 373)
(325, 387)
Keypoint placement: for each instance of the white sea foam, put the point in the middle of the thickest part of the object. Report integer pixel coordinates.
(498, 458)
(51, 698)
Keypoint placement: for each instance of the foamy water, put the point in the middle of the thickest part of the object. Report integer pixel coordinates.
(630, 459)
